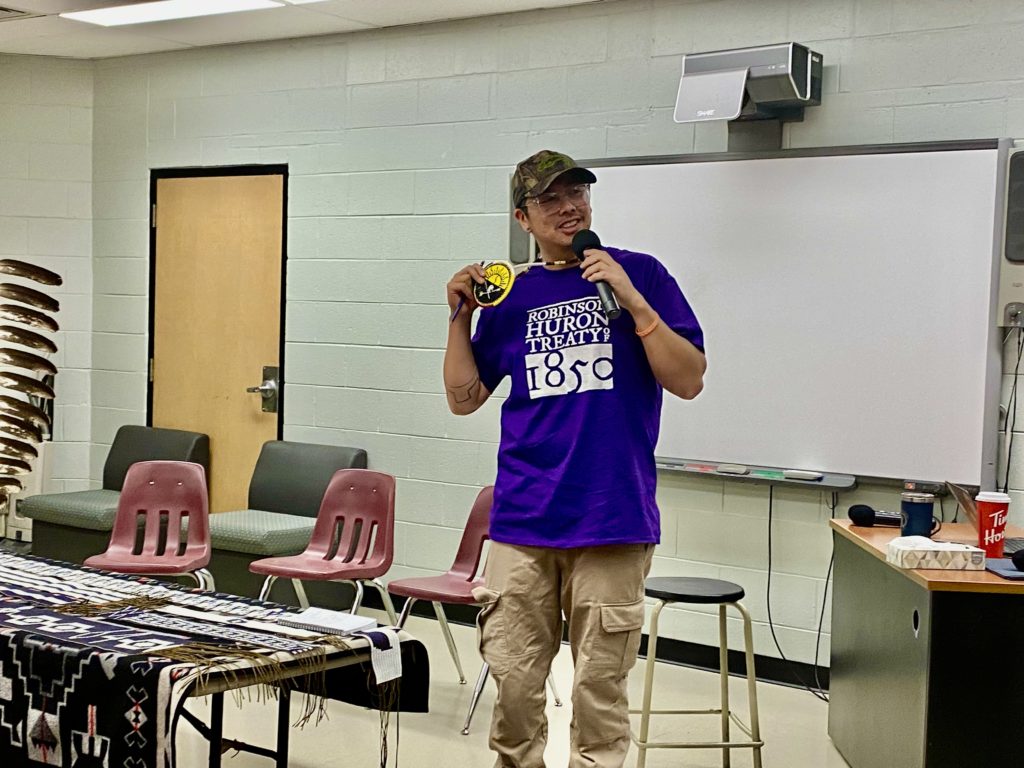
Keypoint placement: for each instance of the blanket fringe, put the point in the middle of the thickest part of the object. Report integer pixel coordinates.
(267, 673)
(99, 609)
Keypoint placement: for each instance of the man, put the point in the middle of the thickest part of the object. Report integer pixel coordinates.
(574, 521)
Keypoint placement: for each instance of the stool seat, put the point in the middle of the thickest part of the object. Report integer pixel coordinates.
(683, 589)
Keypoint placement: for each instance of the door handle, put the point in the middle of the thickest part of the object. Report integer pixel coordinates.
(269, 390)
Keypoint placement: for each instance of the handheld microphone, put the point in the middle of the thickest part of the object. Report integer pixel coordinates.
(1018, 559)
(581, 241)
(862, 514)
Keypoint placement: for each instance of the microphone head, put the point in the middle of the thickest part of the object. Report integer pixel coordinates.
(1018, 559)
(862, 514)
(583, 240)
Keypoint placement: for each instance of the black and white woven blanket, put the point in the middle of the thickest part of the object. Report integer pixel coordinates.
(101, 689)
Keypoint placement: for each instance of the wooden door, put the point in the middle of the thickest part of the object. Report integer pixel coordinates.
(217, 317)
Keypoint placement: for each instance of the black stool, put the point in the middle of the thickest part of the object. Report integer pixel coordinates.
(706, 592)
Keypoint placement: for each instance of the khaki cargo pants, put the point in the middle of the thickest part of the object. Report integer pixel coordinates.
(600, 590)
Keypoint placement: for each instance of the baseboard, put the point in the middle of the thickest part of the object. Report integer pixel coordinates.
(769, 669)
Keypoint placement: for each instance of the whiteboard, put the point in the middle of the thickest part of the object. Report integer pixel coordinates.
(847, 302)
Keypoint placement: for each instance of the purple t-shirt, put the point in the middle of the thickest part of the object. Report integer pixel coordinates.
(579, 426)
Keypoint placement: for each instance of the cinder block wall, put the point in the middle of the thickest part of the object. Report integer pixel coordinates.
(399, 145)
(46, 218)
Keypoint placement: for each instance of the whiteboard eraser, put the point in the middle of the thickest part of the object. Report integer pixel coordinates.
(800, 474)
(732, 469)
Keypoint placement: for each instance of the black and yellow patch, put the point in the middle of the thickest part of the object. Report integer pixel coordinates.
(498, 279)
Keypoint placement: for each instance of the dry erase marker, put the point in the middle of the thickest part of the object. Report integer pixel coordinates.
(768, 474)
(801, 474)
(732, 469)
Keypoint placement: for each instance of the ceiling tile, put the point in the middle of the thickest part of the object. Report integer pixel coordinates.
(269, 24)
(38, 27)
(54, 36)
(64, 6)
(396, 12)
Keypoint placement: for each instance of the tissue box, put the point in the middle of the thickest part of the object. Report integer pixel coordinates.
(922, 552)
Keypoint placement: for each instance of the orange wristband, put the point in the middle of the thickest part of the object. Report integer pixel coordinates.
(649, 329)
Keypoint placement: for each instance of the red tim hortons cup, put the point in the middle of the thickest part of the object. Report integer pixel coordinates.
(993, 509)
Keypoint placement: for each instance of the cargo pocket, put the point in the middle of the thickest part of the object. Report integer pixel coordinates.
(615, 646)
(490, 629)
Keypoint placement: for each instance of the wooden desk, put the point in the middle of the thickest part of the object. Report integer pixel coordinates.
(926, 670)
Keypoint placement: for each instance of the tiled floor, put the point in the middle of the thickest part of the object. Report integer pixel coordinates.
(793, 722)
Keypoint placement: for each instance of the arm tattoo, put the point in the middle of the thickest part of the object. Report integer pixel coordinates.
(465, 392)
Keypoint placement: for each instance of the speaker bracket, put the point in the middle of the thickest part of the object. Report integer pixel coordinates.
(1013, 314)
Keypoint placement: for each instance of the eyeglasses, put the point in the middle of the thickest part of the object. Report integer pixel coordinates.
(550, 202)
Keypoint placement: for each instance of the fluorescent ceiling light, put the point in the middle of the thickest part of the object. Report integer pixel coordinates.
(302, 2)
(163, 10)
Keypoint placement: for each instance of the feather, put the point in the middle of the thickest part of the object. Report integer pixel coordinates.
(24, 410)
(25, 385)
(30, 271)
(30, 317)
(14, 335)
(17, 448)
(30, 362)
(29, 296)
(24, 430)
(9, 466)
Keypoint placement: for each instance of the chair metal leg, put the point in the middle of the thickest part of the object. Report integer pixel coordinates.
(406, 610)
(204, 579)
(358, 602)
(477, 690)
(723, 673)
(755, 725)
(211, 585)
(554, 691)
(485, 670)
(386, 599)
(268, 584)
(443, 621)
(645, 713)
(300, 593)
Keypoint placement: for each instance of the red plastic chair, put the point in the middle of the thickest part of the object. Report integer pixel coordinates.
(353, 540)
(456, 587)
(158, 502)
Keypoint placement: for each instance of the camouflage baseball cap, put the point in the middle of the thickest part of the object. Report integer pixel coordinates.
(536, 173)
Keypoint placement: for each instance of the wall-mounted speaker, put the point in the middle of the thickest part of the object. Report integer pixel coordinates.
(1011, 267)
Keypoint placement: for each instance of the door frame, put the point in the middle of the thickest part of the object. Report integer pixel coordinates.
(156, 174)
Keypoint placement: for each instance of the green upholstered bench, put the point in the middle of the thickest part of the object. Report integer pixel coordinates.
(285, 492)
(75, 525)
(260, 533)
(92, 510)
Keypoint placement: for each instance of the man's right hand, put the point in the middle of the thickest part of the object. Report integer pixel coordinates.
(460, 288)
